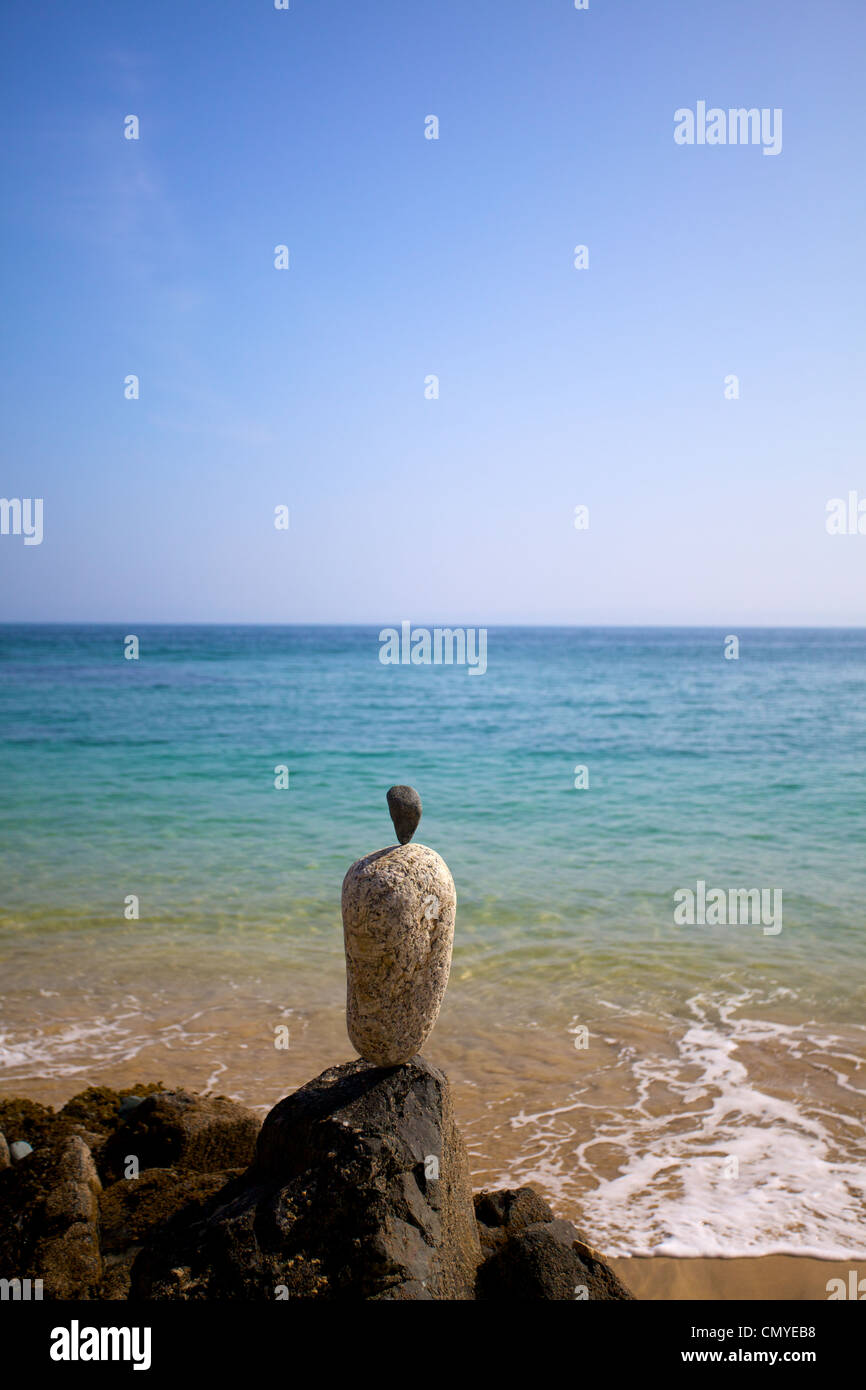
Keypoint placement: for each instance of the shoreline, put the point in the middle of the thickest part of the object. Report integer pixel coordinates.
(752, 1278)
(661, 1278)
(152, 1194)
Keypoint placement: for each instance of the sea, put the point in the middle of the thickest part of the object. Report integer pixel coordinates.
(175, 827)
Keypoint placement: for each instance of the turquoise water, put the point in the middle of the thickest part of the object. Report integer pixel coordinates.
(159, 775)
(156, 778)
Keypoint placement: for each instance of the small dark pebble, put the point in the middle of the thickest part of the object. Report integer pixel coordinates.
(404, 804)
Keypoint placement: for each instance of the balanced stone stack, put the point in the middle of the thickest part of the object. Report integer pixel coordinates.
(399, 907)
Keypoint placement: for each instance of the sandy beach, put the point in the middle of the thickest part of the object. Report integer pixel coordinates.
(767, 1277)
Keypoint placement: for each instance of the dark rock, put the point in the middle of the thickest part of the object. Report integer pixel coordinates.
(50, 1202)
(116, 1276)
(27, 1119)
(512, 1208)
(341, 1200)
(504, 1211)
(133, 1210)
(92, 1115)
(547, 1260)
(93, 1140)
(66, 1251)
(360, 1189)
(602, 1282)
(98, 1109)
(177, 1129)
(404, 804)
(49, 1219)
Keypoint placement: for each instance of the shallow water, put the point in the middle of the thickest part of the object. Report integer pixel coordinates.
(718, 1106)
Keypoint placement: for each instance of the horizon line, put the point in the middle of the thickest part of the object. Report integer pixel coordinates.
(507, 626)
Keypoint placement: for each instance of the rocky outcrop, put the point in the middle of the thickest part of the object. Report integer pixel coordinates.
(68, 1219)
(66, 1245)
(175, 1129)
(49, 1219)
(360, 1188)
(547, 1260)
(132, 1213)
(530, 1255)
(502, 1213)
(356, 1187)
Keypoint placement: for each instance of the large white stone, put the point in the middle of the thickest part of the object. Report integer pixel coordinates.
(399, 907)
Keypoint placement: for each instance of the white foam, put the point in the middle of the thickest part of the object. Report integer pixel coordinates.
(800, 1187)
(70, 1049)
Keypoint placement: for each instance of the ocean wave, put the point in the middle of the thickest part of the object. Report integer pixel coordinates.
(743, 1137)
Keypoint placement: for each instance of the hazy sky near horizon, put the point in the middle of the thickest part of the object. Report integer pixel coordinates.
(411, 257)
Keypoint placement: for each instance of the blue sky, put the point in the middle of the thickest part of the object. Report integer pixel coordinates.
(411, 257)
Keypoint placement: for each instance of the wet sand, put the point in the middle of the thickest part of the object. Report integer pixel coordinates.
(631, 1137)
(786, 1277)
